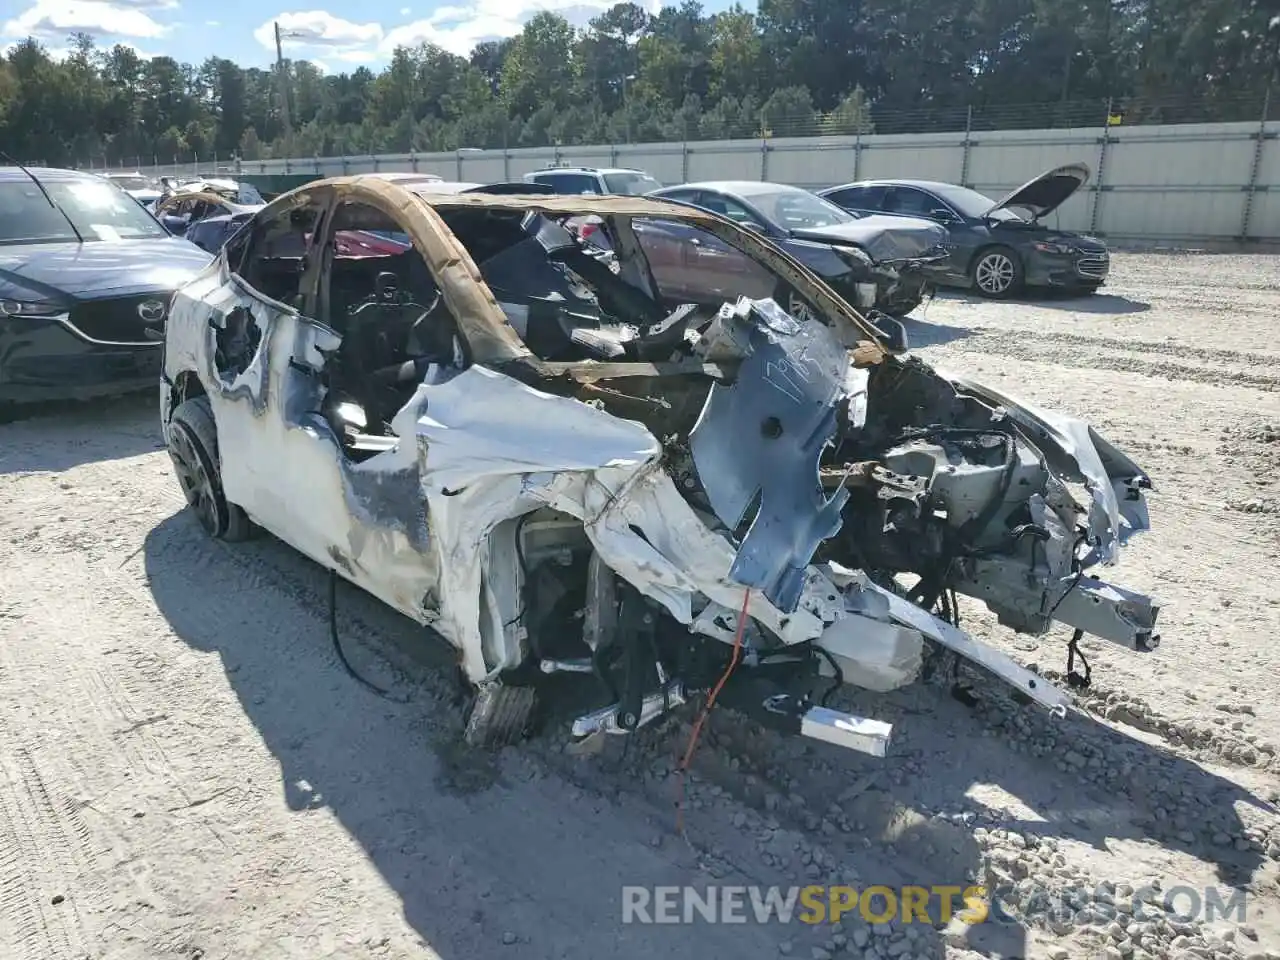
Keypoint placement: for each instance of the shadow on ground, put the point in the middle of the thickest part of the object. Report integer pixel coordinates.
(531, 848)
(1098, 303)
(523, 853)
(59, 436)
(925, 332)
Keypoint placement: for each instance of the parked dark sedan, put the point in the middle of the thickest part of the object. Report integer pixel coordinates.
(996, 247)
(86, 275)
(870, 261)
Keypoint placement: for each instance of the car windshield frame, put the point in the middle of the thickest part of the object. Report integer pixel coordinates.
(637, 184)
(767, 201)
(99, 210)
(972, 204)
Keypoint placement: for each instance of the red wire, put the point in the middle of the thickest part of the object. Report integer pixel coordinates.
(706, 710)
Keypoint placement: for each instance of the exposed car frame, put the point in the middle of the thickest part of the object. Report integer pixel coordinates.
(430, 515)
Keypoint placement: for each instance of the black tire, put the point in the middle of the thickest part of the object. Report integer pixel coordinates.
(500, 715)
(193, 448)
(996, 272)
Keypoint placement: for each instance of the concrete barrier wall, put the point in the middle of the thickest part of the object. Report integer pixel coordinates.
(1209, 182)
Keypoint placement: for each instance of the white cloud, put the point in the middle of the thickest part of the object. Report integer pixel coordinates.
(213, 23)
(459, 29)
(57, 18)
(454, 28)
(319, 28)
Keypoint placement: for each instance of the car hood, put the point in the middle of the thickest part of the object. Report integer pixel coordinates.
(882, 238)
(84, 271)
(1036, 231)
(1046, 192)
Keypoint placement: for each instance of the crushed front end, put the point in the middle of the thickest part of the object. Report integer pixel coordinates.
(776, 473)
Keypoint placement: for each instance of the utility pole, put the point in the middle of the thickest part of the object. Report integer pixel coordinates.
(284, 85)
(625, 108)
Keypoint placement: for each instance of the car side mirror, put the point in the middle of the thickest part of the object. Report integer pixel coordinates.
(893, 335)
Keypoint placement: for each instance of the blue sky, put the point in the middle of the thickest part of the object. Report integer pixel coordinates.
(338, 38)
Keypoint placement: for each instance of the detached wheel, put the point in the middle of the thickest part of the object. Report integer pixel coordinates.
(996, 273)
(193, 448)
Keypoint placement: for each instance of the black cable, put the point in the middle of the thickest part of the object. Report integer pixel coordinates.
(1073, 650)
(337, 643)
(524, 572)
(838, 680)
(1079, 570)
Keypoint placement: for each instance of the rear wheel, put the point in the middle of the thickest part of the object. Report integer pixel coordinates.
(996, 272)
(193, 448)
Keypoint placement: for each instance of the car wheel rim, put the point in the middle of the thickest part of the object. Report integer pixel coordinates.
(799, 309)
(995, 273)
(193, 477)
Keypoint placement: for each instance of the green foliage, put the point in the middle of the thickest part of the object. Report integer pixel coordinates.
(795, 68)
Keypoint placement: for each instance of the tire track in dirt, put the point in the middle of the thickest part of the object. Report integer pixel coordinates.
(1167, 347)
(44, 844)
(1015, 346)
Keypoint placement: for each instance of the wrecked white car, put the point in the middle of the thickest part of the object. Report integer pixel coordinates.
(529, 446)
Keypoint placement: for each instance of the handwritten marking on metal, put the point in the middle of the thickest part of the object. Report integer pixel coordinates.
(783, 375)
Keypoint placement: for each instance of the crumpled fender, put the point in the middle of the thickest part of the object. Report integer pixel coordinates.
(1081, 454)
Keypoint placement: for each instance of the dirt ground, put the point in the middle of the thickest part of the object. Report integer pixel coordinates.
(186, 771)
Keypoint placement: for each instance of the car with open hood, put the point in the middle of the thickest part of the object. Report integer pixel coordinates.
(527, 446)
(997, 247)
(86, 275)
(874, 262)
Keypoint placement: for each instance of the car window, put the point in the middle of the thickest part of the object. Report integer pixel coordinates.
(132, 183)
(271, 257)
(795, 209)
(380, 295)
(681, 196)
(693, 265)
(910, 201)
(569, 183)
(727, 207)
(630, 183)
(860, 198)
(91, 207)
